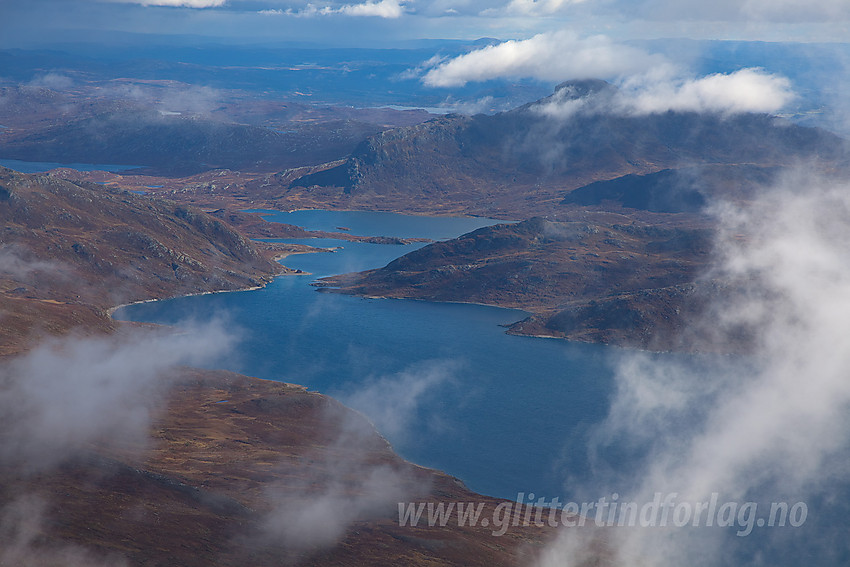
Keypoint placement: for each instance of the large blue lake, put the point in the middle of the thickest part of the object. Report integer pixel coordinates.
(443, 382)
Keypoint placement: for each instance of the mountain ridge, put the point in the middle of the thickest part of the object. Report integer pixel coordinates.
(497, 164)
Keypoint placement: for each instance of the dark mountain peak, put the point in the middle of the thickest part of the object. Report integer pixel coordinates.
(685, 189)
(595, 90)
(581, 88)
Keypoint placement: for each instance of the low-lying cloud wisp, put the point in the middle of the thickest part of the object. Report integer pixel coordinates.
(68, 393)
(390, 9)
(22, 533)
(745, 90)
(334, 487)
(538, 7)
(391, 402)
(16, 263)
(348, 481)
(772, 426)
(71, 396)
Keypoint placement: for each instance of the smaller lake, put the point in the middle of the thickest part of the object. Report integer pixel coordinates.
(42, 166)
(369, 223)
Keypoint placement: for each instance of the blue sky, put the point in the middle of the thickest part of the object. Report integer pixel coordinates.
(387, 22)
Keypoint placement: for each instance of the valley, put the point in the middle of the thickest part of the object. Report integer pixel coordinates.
(679, 234)
(622, 230)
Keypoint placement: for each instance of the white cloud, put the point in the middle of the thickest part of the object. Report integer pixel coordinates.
(16, 264)
(390, 9)
(317, 519)
(68, 393)
(648, 83)
(344, 483)
(54, 81)
(382, 9)
(776, 11)
(549, 56)
(745, 90)
(661, 90)
(340, 484)
(174, 97)
(538, 7)
(795, 10)
(391, 402)
(485, 105)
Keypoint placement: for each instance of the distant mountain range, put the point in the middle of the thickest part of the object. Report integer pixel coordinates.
(184, 145)
(525, 161)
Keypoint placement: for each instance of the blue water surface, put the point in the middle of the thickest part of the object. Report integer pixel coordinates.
(449, 389)
(505, 414)
(370, 223)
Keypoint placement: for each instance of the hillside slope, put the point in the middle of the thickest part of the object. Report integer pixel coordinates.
(610, 279)
(70, 251)
(226, 456)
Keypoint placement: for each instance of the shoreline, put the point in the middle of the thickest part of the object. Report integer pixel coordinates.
(111, 311)
(328, 289)
(329, 207)
(510, 318)
(276, 258)
(508, 326)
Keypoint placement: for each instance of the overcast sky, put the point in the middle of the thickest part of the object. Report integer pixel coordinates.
(375, 22)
